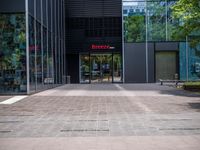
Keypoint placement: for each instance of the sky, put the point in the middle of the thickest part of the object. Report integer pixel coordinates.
(127, 3)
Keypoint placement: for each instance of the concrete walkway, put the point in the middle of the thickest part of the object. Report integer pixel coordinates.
(102, 117)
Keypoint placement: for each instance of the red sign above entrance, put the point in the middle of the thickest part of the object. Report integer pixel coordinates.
(93, 46)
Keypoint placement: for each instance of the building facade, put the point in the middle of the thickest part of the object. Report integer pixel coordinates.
(92, 41)
(130, 41)
(152, 48)
(32, 56)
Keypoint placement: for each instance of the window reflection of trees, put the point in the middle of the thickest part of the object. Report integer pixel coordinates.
(12, 53)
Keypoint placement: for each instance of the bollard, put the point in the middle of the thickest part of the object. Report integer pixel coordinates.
(68, 79)
(176, 76)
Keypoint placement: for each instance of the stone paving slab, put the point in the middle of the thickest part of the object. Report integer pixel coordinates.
(116, 90)
(103, 116)
(103, 143)
(42, 116)
(3, 98)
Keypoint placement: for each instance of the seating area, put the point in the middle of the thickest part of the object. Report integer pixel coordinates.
(176, 82)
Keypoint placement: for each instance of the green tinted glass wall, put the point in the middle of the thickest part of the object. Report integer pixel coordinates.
(149, 20)
(12, 53)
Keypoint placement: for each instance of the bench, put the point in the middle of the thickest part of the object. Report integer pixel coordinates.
(171, 81)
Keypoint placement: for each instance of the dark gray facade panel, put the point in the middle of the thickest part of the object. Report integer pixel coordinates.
(135, 63)
(73, 67)
(7, 6)
(44, 12)
(54, 17)
(31, 7)
(167, 46)
(151, 63)
(93, 8)
(38, 10)
(50, 11)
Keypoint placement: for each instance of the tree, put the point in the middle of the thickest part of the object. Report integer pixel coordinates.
(135, 29)
(188, 13)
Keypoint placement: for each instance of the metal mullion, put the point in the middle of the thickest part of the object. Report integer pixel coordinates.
(112, 68)
(35, 33)
(62, 11)
(52, 42)
(166, 19)
(42, 42)
(27, 49)
(55, 40)
(147, 67)
(123, 48)
(47, 32)
(65, 67)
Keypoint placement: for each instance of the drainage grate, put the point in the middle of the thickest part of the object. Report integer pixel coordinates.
(92, 120)
(84, 130)
(5, 131)
(171, 119)
(11, 121)
(181, 129)
(25, 115)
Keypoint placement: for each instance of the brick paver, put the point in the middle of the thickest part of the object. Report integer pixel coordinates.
(136, 112)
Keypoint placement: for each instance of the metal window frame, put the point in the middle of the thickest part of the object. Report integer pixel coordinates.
(27, 48)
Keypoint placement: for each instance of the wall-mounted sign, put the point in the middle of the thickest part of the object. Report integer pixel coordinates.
(94, 46)
(33, 47)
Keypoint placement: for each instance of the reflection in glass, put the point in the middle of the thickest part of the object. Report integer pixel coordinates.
(101, 68)
(32, 68)
(39, 57)
(85, 68)
(189, 62)
(51, 49)
(45, 58)
(151, 17)
(117, 68)
(12, 53)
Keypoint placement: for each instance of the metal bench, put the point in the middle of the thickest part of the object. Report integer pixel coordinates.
(171, 81)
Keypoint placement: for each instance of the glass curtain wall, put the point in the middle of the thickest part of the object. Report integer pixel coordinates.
(189, 62)
(12, 53)
(45, 62)
(152, 21)
(149, 20)
(100, 68)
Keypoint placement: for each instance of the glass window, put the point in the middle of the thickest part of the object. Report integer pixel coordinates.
(84, 68)
(156, 20)
(45, 57)
(151, 17)
(117, 68)
(189, 62)
(39, 56)
(12, 53)
(50, 59)
(32, 68)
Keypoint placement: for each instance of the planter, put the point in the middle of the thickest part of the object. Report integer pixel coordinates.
(192, 87)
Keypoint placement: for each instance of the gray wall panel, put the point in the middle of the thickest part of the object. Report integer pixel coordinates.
(167, 46)
(135, 70)
(38, 10)
(93, 8)
(31, 7)
(151, 62)
(44, 12)
(12, 6)
(73, 67)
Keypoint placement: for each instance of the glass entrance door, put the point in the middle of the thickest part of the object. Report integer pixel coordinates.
(101, 68)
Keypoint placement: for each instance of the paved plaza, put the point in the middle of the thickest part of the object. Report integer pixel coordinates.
(102, 117)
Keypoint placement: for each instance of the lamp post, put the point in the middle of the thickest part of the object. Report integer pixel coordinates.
(187, 59)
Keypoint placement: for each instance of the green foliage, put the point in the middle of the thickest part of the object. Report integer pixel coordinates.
(135, 29)
(188, 13)
(192, 84)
